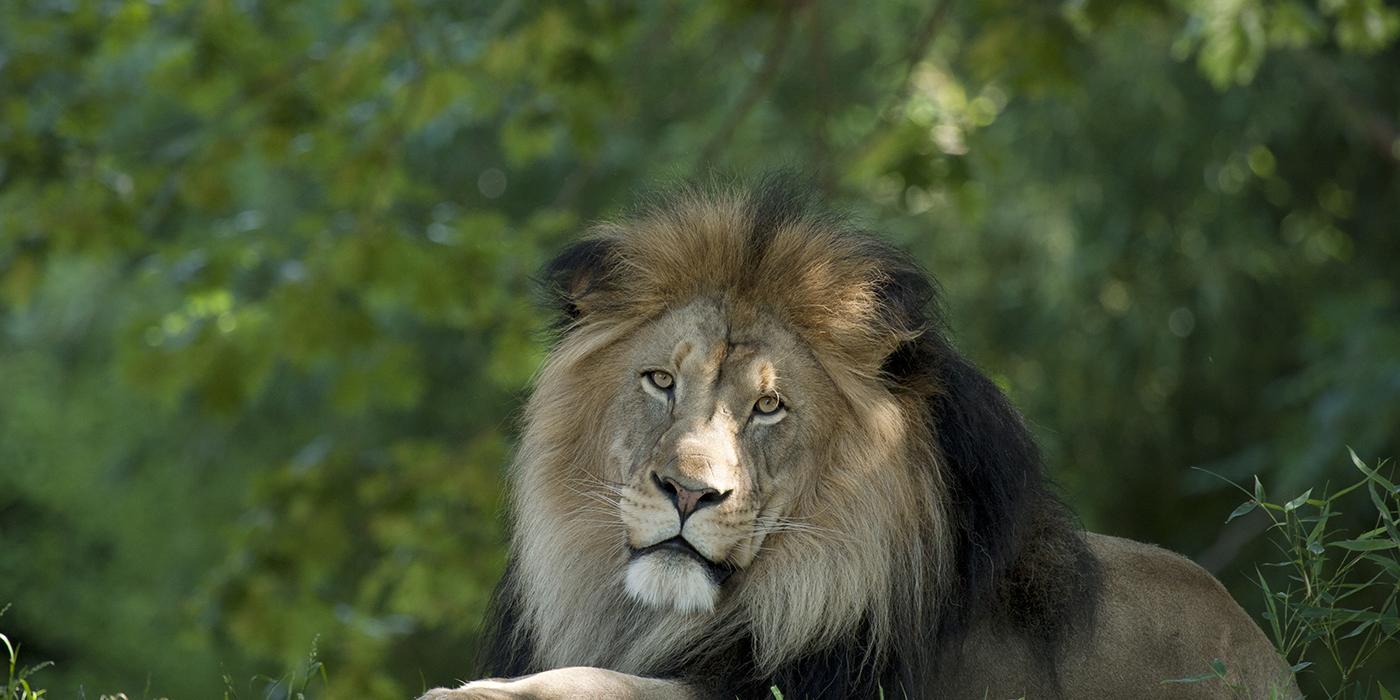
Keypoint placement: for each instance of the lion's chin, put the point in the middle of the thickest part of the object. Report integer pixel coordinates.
(670, 581)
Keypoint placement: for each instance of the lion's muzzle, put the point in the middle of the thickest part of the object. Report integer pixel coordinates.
(680, 546)
(688, 498)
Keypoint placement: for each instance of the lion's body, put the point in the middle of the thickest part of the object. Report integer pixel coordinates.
(853, 507)
(1161, 618)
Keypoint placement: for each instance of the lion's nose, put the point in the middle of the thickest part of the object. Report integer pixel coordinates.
(688, 499)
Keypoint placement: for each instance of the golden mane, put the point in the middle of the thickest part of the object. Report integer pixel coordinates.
(901, 547)
(823, 280)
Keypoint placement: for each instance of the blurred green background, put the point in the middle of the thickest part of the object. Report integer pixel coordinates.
(265, 310)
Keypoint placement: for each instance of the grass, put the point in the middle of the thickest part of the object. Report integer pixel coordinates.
(17, 686)
(296, 685)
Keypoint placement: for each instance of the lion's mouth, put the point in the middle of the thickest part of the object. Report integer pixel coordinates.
(679, 545)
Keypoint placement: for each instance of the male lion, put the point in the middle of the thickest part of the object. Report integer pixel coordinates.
(753, 459)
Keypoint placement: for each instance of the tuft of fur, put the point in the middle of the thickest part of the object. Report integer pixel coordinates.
(670, 581)
(929, 474)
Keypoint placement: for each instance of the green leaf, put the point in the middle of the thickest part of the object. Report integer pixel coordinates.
(1384, 694)
(1390, 565)
(1379, 502)
(1372, 474)
(1243, 509)
(1356, 631)
(1366, 545)
(1217, 671)
(1218, 666)
(1348, 490)
(1320, 529)
(1297, 502)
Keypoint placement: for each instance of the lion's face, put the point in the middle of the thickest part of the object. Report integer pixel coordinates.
(719, 414)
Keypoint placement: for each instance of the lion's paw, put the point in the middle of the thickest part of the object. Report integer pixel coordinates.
(481, 690)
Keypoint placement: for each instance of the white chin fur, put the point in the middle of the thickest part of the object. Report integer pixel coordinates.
(664, 580)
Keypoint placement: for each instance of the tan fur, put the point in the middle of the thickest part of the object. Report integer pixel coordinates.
(793, 599)
(1163, 619)
(820, 541)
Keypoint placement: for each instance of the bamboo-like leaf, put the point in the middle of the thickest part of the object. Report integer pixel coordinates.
(1297, 502)
(1348, 489)
(1372, 473)
(1379, 502)
(1366, 545)
(1390, 565)
(1243, 509)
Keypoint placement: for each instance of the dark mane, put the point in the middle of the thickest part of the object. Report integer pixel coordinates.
(1020, 561)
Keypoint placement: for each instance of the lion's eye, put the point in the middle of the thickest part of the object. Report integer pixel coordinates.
(661, 379)
(767, 405)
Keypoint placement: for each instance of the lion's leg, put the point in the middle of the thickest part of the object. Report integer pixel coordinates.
(575, 682)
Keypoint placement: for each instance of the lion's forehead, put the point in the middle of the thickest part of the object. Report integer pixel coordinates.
(721, 340)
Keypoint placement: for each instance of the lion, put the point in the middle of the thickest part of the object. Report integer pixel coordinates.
(754, 460)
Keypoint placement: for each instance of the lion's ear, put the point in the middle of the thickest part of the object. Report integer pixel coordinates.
(576, 278)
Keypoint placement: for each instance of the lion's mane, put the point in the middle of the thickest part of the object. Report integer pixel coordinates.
(930, 476)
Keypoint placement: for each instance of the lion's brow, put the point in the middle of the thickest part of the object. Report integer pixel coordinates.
(767, 376)
(681, 352)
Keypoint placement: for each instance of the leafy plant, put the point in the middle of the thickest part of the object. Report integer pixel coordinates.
(17, 685)
(1331, 601)
(1218, 672)
(295, 686)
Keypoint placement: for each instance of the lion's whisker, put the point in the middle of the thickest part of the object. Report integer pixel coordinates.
(816, 532)
(595, 480)
(592, 495)
(594, 522)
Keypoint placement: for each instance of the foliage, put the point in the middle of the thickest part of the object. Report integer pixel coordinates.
(1333, 608)
(1330, 604)
(264, 297)
(17, 685)
(294, 686)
